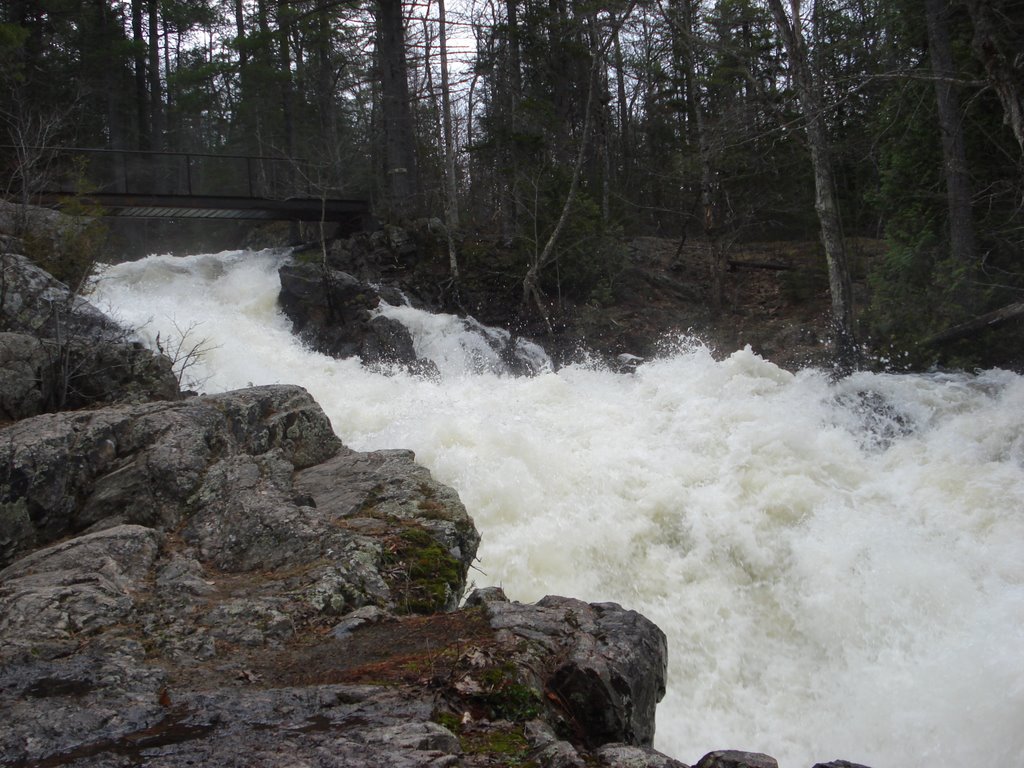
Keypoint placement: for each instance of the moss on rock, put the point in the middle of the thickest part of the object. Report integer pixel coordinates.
(422, 575)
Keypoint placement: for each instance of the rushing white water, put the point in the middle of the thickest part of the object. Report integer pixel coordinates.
(458, 346)
(839, 567)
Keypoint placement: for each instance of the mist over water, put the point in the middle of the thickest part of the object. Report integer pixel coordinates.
(839, 567)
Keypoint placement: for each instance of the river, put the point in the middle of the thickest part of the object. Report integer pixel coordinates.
(838, 566)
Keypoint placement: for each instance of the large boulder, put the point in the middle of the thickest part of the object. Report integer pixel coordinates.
(64, 473)
(734, 758)
(332, 312)
(57, 351)
(25, 374)
(611, 663)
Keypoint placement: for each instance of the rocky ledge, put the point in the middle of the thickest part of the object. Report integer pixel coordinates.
(59, 352)
(219, 581)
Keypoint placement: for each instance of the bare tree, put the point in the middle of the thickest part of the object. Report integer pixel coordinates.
(32, 134)
(541, 258)
(451, 208)
(826, 204)
(185, 351)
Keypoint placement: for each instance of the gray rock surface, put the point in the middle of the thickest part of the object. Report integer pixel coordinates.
(731, 758)
(332, 312)
(59, 352)
(191, 543)
(250, 480)
(63, 473)
(24, 376)
(611, 668)
(41, 375)
(34, 302)
(218, 581)
(625, 756)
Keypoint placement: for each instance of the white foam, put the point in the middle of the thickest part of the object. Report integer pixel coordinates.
(839, 567)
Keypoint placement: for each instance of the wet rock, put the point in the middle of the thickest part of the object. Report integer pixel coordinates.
(736, 759)
(389, 343)
(549, 750)
(332, 312)
(95, 698)
(627, 363)
(623, 756)
(611, 669)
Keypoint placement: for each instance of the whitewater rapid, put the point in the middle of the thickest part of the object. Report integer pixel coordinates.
(839, 567)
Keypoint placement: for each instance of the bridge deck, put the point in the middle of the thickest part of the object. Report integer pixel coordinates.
(144, 206)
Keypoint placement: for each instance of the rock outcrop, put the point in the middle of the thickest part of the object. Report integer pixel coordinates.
(219, 581)
(225, 473)
(59, 352)
(33, 302)
(45, 375)
(332, 312)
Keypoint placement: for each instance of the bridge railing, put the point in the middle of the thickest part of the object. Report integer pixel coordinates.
(194, 174)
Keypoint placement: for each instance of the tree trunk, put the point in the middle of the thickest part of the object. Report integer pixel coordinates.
(141, 87)
(1001, 59)
(602, 122)
(508, 170)
(826, 204)
(531, 281)
(287, 87)
(625, 142)
(399, 137)
(709, 195)
(451, 186)
(962, 244)
(156, 99)
(977, 325)
(324, 74)
(240, 42)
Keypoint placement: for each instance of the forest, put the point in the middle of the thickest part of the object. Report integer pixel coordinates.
(554, 129)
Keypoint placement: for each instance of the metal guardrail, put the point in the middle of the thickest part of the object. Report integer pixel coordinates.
(200, 174)
(145, 184)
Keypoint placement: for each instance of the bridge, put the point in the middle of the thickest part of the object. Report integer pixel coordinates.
(194, 185)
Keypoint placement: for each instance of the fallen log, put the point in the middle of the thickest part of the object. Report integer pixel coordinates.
(971, 327)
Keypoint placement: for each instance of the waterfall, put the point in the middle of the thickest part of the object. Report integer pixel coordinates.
(838, 566)
(458, 345)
